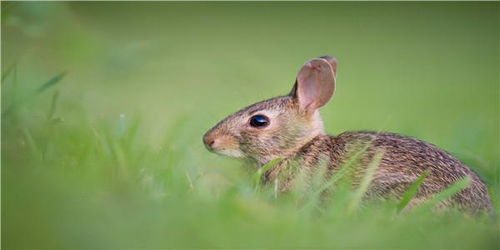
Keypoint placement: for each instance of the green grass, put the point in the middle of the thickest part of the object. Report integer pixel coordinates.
(110, 155)
(412, 191)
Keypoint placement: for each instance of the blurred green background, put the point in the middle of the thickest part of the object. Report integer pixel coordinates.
(111, 155)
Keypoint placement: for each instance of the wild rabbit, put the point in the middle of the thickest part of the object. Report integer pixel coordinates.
(290, 127)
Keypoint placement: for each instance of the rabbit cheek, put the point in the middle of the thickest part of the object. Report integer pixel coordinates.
(259, 145)
(251, 145)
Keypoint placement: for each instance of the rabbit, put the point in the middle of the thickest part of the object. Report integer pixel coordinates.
(290, 128)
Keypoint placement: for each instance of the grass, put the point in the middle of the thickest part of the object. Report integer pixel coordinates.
(110, 155)
(412, 191)
(98, 185)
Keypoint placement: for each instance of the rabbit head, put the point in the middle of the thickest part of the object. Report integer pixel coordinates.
(280, 126)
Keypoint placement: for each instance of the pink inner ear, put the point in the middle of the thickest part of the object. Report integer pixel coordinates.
(333, 62)
(315, 84)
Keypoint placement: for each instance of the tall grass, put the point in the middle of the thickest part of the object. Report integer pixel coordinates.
(98, 185)
(109, 155)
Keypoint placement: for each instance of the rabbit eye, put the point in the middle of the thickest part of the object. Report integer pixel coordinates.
(259, 121)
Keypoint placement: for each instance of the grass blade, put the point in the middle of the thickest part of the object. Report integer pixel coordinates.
(447, 193)
(12, 68)
(365, 182)
(344, 169)
(32, 145)
(412, 191)
(53, 105)
(53, 81)
(262, 170)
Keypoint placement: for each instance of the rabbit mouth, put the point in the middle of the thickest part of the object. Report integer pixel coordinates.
(229, 152)
(222, 144)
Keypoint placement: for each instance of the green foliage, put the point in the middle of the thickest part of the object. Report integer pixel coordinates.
(31, 96)
(447, 193)
(365, 182)
(110, 155)
(99, 185)
(412, 191)
(262, 170)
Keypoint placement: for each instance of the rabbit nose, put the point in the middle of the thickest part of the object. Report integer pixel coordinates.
(208, 141)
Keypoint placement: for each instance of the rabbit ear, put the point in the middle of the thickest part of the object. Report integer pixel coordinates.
(315, 83)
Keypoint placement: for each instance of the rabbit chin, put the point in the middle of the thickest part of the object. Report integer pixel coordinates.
(230, 152)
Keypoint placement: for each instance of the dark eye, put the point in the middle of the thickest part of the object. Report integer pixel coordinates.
(259, 121)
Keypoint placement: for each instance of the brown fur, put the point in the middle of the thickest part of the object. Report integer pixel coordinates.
(295, 133)
(405, 159)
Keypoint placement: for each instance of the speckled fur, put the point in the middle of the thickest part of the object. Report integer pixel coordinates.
(404, 160)
(296, 135)
(292, 130)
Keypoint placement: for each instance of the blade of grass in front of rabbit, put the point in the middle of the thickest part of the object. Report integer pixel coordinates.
(338, 175)
(344, 168)
(445, 194)
(317, 185)
(365, 182)
(262, 170)
(412, 191)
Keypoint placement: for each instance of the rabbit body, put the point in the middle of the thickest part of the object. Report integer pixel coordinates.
(290, 127)
(404, 160)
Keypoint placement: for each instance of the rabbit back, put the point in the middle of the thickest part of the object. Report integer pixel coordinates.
(404, 160)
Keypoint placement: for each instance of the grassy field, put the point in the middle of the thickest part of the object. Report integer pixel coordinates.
(104, 106)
